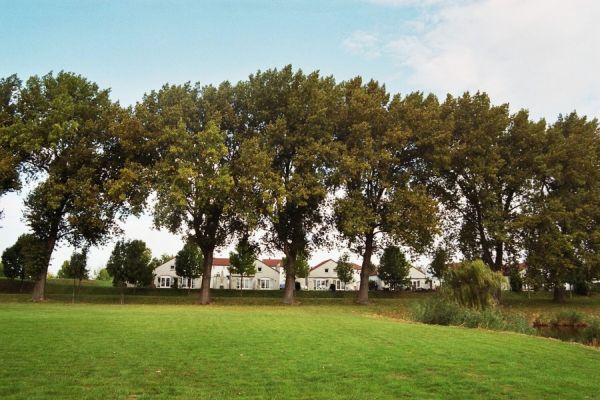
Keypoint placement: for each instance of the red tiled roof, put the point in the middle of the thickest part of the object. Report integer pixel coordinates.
(321, 263)
(355, 266)
(221, 261)
(272, 262)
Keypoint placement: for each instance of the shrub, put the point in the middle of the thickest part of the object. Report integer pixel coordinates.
(439, 311)
(473, 284)
(567, 318)
(591, 334)
(582, 287)
(515, 280)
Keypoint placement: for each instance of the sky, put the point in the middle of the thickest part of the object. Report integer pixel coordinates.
(542, 55)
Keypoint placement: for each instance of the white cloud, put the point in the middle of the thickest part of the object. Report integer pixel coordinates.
(538, 54)
(364, 44)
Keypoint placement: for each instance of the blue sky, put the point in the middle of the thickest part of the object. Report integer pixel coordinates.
(135, 46)
(539, 54)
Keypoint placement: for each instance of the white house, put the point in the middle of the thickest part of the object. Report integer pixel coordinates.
(324, 274)
(267, 277)
(418, 280)
(165, 277)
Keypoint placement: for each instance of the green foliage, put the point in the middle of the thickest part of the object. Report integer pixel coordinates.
(242, 260)
(561, 231)
(293, 116)
(302, 266)
(515, 280)
(130, 262)
(591, 333)
(440, 311)
(567, 318)
(75, 268)
(188, 262)
(24, 259)
(439, 262)
(377, 169)
(473, 284)
(394, 267)
(65, 270)
(78, 264)
(344, 269)
(10, 155)
(103, 275)
(67, 134)
(481, 161)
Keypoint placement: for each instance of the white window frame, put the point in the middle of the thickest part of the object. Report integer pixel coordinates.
(164, 281)
(264, 283)
(186, 283)
(321, 284)
(339, 285)
(246, 284)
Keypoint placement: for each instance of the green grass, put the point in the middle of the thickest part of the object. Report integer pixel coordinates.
(229, 351)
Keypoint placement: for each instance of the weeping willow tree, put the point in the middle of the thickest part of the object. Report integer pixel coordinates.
(473, 284)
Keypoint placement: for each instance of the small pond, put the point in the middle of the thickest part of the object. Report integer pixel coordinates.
(566, 333)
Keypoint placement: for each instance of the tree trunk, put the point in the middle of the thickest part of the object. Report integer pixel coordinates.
(73, 298)
(290, 279)
(39, 288)
(365, 271)
(499, 256)
(122, 297)
(206, 274)
(559, 293)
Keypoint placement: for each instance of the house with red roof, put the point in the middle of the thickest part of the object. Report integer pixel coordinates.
(324, 274)
(267, 276)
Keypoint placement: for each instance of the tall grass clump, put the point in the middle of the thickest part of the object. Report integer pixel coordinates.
(440, 310)
(473, 284)
(468, 298)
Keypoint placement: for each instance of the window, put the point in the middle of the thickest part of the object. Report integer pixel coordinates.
(247, 284)
(186, 283)
(321, 284)
(326, 269)
(259, 269)
(265, 283)
(339, 285)
(164, 282)
(172, 267)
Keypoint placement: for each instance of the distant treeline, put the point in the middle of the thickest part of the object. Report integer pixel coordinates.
(307, 161)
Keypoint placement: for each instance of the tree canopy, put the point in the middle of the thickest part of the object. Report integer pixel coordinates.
(394, 268)
(300, 162)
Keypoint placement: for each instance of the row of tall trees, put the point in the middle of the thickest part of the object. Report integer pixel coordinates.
(288, 155)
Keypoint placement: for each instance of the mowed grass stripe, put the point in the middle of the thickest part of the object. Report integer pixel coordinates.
(144, 351)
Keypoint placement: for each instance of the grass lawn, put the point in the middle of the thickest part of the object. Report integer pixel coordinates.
(228, 351)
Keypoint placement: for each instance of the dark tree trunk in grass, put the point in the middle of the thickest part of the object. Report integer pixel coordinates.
(499, 256)
(39, 287)
(365, 271)
(290, 280)
(206, 275)
(559, 293)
